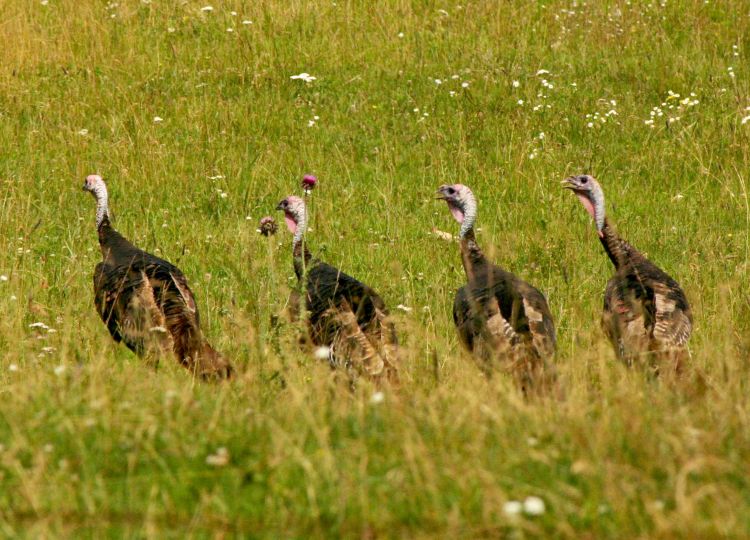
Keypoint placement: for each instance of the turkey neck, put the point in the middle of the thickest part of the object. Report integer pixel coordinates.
(116, 249)
(302, 258)
(471, 255)
(102, 204)
(617, 249)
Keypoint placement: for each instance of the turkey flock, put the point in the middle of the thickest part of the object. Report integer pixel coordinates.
(503, 321)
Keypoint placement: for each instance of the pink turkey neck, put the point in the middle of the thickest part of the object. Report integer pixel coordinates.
(291, 222)
(456, 212)
(590, 208)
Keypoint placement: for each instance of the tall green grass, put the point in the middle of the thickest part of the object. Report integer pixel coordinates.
(95, 443)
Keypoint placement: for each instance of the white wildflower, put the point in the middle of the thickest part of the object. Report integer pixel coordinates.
(745, 120)
(533, 506)
(39, 325)
(59, 370)
(464, 84)
(438, 82)
(83, 132)
(13, 367)
(207, 9)
(400, 35)
(218, 459)
(322, 353)
(247, 22)
(158, 119)
(516, 84)
(404, 308)
(520, 102)
(303, 77)
(377, 397)
(3, 278)
(512, 508)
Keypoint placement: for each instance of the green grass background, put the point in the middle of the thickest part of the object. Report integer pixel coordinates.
(94, 443)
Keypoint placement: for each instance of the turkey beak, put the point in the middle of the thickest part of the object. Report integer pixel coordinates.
(440, 196)
(84, 186)
(569, 183)
(280, 205)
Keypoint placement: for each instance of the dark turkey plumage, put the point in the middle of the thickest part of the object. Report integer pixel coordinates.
(500, 318)
(349, 317)
(646, 314)
(146, 303)
(498, 314)
(343, 313)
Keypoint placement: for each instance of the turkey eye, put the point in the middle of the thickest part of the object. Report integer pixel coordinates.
(584, 180)
(450, 191)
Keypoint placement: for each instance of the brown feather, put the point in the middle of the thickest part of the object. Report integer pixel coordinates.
(347, 316)
(146, 302)
(502, 319)
(646, 315)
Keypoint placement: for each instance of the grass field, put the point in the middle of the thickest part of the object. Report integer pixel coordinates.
(193, 118)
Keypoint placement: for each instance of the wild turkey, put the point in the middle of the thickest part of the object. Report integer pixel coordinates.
(344, 314)
(499, 317)
(646, 315)
(145, 301)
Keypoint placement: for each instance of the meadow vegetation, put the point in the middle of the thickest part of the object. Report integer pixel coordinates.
(192, 116)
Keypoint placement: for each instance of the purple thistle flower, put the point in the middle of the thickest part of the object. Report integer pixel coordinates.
(308, 183)
(267, 226)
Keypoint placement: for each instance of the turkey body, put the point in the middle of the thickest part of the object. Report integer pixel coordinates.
(646, 315)
(497, 314)
(349, 317)
(146, 303)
